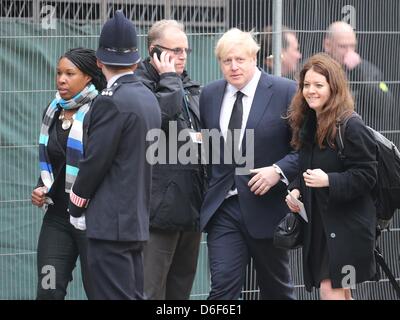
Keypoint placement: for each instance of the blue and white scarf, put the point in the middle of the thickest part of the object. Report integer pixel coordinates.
(74, 150)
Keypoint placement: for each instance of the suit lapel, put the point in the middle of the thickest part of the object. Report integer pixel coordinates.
(261, 101)
(217, 103)
(260, 104)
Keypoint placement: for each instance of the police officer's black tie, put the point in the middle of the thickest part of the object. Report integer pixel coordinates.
(235, 122)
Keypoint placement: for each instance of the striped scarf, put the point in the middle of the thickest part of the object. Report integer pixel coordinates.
(74, 150)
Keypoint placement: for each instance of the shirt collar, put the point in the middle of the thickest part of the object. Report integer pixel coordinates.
(249, 89)
(116, 77)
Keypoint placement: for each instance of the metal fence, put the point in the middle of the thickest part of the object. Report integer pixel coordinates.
(34, 33)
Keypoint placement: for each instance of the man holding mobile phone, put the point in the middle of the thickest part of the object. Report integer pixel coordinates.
(170, 256)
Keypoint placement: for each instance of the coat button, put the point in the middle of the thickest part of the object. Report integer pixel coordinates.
(333, 235)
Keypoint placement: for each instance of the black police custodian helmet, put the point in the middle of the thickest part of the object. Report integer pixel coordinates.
(118, 42)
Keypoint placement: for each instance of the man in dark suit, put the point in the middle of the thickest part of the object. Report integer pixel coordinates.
(112, 189)
(241, 211)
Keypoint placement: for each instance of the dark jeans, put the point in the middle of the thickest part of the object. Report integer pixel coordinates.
(59, 246)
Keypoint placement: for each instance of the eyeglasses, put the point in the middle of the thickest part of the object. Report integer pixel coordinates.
(176, 51)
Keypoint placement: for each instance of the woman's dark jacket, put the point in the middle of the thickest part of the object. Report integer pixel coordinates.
(349, 218)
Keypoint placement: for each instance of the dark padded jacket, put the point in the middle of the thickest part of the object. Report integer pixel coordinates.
(177, 188)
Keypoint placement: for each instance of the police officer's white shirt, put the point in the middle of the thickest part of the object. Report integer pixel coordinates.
(116, 77)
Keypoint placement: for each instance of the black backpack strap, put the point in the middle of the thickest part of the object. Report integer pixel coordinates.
(381, 261)
(340, 133)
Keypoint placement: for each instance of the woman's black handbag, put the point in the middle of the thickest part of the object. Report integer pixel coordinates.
(289, 232)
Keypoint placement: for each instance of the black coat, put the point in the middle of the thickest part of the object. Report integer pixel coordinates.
(373, 99)
(177, 189)
(114, 172)
(349, 218)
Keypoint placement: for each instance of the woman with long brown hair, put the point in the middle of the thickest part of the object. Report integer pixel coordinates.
(339, 238)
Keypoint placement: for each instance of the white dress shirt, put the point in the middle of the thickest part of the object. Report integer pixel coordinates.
(228, 101)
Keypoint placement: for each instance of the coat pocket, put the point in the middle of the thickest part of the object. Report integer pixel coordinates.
(177, 203)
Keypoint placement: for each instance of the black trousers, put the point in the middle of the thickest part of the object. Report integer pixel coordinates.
(116, 269)
(229, 248)
(59, 247)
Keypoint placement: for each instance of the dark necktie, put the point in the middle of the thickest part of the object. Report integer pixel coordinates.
(236, 118)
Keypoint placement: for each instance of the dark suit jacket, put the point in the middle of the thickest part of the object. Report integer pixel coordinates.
(272, 136)
(114, 173)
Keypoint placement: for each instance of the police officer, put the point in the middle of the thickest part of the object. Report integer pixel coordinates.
(111, 193)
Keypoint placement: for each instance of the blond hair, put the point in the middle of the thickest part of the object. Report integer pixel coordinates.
(236, 38)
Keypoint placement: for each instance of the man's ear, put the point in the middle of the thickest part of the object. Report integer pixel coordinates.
(327, 45)
(99, 64)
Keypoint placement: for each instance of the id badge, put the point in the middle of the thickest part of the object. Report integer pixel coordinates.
(196, 137)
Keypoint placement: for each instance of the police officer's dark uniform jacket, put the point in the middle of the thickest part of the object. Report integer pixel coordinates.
(177, 189)
(119, 204)
(113, 184)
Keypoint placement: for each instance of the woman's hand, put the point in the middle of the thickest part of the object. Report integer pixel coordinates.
(38, 196)
(289, 201)
(263, 180)
(316, 178)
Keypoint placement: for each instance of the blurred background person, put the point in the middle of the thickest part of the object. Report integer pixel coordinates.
(170, 256)
(373, 99)
(78, 81)
(290, 56)
(337, 194)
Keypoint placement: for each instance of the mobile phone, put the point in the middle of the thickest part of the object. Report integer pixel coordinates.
(156, 50)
